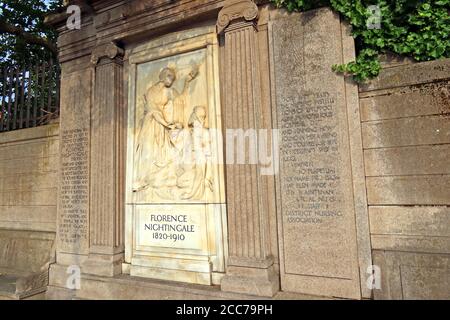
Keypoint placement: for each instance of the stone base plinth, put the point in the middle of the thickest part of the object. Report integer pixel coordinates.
(251, 281)
(103, 265)
(58, 293)
(125, 287)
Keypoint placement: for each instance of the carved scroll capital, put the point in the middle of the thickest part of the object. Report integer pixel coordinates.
(236, 9)
(108, 50)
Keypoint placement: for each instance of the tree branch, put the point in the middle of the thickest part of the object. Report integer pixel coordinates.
(29, 38)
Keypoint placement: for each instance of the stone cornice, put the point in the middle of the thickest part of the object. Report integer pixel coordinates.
(118, 22)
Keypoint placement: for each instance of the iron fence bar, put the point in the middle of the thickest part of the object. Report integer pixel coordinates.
(35, 100)
(2, 110)
(8, 119)
(28, 104)
(42, 94)
(22, 98)
(16, 99)
(58, 88)
(29, 95)
(50, 87)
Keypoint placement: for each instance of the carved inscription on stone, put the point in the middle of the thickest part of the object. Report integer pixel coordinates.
(73, 204)
(176, 227)
(74, 193)
(308, 129)
(169, 227)
(316, 192)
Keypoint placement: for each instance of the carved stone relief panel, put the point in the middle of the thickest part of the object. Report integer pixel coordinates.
(175, 181)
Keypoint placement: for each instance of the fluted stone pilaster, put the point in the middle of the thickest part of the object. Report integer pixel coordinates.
(106, 242)
(250, 263)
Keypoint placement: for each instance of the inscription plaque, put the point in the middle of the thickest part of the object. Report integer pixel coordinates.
(74, 194)
(316, 210)
(73, 212)
(171, 227)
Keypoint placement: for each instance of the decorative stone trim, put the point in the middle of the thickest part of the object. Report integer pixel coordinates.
(234, 10)
(108, 50)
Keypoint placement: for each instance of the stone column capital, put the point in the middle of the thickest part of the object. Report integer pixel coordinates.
(233, 10)
(108, 50)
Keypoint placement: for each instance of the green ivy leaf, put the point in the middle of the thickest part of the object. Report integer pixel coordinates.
(417, 28)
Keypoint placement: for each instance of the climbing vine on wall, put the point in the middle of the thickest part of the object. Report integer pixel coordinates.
(416, 28)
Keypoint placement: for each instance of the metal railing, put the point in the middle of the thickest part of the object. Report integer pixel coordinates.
(29, 96)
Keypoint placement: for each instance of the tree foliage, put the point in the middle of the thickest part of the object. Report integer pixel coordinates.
(24, 38)
(416, 28)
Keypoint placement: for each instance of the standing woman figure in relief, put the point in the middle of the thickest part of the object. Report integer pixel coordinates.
(163, 112)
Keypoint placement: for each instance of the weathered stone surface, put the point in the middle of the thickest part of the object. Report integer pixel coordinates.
(408, 275)
(406, 136)
(425, 244)
(416, 160)
(13, 246)
(420, 100)
(41, 148)
(410, 74)
(421, 283)
(26, 217)
(408, 190)
(421, 221)
(319, 253)
(25, 135)
(411, 229)
(389, 60)
(73, 210)
(414, 131)
(28, 169)
(28, 201)
(129, 288)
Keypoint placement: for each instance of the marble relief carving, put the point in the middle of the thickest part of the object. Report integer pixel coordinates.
(175, 203)
(173, 144)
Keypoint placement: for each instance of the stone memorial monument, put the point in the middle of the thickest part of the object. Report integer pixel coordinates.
(207, 150)
(318, 203)
(151, 206)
